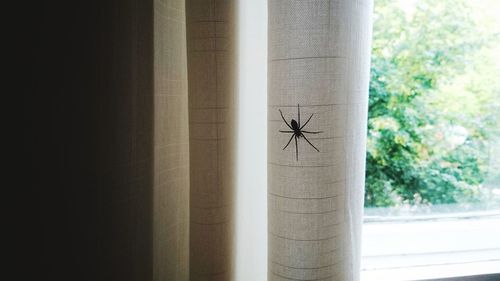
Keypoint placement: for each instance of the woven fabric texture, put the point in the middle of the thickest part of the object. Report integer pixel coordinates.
(210, 56)
(171, 143)
(318, 65)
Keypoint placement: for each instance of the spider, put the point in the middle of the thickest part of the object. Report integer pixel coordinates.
(297, 132)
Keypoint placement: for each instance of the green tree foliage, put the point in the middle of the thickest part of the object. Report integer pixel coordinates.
(424, 146)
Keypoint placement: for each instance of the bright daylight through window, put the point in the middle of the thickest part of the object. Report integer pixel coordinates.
(432, 201)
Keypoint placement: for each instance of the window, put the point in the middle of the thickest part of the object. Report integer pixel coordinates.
(432, 203)
(450, 99)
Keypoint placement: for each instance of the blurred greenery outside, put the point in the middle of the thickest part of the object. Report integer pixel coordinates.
(434, 105)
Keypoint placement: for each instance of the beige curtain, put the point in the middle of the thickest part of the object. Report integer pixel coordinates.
(194, 100)
(136, 150)
(210, 53)
(318, 59)
(171, 143)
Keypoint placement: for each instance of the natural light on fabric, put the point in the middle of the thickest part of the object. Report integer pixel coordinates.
(318, 72)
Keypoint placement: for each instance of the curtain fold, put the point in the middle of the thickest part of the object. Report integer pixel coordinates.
(210, 56)
(318, 72)
(193, 139)
(170, 143)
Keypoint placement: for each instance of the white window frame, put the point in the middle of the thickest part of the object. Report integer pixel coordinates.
(432, 247)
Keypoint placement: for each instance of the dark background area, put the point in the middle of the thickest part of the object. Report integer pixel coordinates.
(87, 127)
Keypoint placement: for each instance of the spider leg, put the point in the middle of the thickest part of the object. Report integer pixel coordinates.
(286, 131)
(306, 121)
(311, 132)
(288, 142)
(296, 149)
(298, 113)
(285, 120)
(310, 143)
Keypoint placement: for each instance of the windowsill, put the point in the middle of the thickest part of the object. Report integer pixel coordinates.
(431, 247)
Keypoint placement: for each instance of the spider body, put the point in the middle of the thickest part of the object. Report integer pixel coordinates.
(295, 127)
(297, 131)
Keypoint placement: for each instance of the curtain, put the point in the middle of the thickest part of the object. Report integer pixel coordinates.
(136, 110)
(171, 143)
(318, 72)
(211, 63)
(194, 100)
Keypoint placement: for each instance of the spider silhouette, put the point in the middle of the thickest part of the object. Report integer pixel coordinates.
(297, 132)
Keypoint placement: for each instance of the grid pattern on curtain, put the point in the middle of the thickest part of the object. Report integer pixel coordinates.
(210, 55)
(193, 139)
(318, 59)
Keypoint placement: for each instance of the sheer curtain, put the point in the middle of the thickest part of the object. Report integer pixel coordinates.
(137, 162)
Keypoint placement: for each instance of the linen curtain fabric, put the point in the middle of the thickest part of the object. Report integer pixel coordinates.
(210, 53)
(139, 156)
(171, 143)
(194, 96)
(318, 59)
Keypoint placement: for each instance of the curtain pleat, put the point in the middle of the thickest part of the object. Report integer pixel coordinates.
(171, 143)
(193, 139)
(318, 64)
(210, 53)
